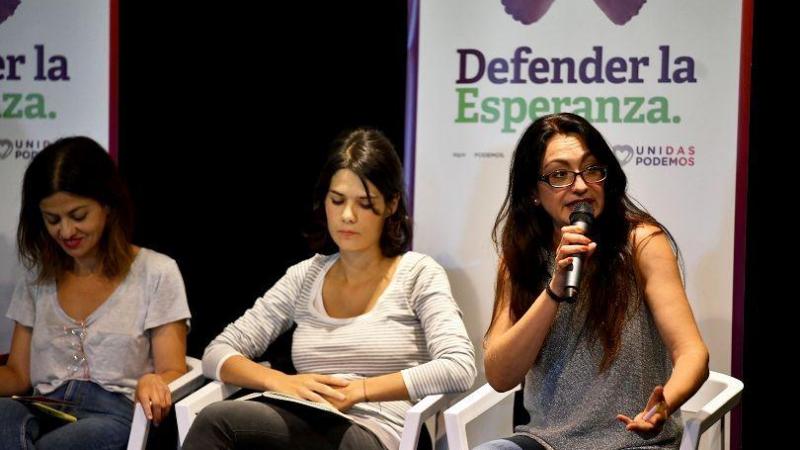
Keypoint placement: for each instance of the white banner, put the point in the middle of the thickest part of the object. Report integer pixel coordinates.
(659, 79)
(54, 82)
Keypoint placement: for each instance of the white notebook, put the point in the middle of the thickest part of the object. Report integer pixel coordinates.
(288, 398)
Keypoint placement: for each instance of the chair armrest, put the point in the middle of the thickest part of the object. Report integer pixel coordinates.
(457, 416)
(418, 414)
(724, 401)
(713, 407)
(188, 382)
(179, 388)
(188, 408)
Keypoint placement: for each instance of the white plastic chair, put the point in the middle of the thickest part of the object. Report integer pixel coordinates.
(187, 409)
(718, 395)
(180, 388)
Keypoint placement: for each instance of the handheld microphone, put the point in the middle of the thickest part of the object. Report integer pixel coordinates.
(583, 216)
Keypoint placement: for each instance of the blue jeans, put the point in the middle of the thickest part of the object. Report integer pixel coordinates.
(104, 421)
(516, 442)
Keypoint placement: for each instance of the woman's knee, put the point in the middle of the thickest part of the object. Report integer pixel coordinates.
(230, 423)
(12, 411)
(516, 442)
(498, 444)
(215, 415)
(16, 422)
(7, 404)
(208, 428)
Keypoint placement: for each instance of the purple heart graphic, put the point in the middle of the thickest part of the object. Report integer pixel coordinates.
(7, 8)
(527, 11)
(624, 153)
(5, 148)
(620, 11)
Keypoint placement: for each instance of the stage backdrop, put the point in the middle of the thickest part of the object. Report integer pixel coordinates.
(55, 80)
(660, 79)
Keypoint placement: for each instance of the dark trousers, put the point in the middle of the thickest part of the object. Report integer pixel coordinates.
(232, 424)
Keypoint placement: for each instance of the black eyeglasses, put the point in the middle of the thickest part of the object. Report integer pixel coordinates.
(562, 178)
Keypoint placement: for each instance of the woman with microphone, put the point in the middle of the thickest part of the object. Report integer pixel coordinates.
(607, 362)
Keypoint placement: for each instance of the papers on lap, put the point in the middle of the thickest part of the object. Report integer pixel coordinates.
(288, 398)
(48, 406)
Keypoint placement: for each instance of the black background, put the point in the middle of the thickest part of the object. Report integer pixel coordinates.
(224, 123)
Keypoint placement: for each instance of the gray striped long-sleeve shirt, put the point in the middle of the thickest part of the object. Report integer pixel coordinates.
(415, 328)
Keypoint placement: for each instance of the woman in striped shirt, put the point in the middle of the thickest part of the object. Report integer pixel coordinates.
(377, 326)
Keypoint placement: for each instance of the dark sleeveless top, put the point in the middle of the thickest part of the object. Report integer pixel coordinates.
(574, 406)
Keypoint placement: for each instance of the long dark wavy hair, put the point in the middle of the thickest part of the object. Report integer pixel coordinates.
(371, 156)
(79, 166)
(523, 235)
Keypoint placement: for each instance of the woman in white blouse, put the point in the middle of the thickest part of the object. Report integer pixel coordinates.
(100, 323)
